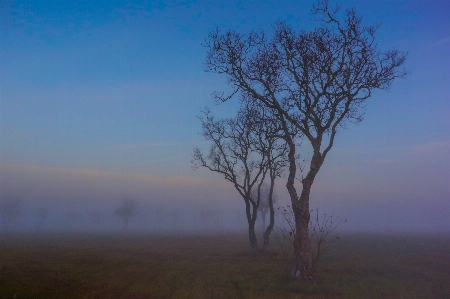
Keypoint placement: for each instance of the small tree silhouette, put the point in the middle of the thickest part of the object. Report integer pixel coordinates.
(126, 210)
(264, 205)
(41, 214)
(96, 217)
(321, 228)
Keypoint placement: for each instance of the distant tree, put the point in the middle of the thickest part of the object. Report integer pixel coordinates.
(264, 205)
(10, 210)
(205, 216)
(96, 217)
(243, 150)
(41, 214)
(175, 219)
(126, 210)
(217, 217)
(275, 149)
(160, 215)
(315, 81)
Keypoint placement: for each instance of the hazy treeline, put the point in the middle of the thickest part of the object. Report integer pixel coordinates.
(18, 216)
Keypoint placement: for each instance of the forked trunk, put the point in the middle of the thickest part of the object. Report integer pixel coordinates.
(266, 235)
(269, 229)
(251, 219)
(302, 268)
(252, 237)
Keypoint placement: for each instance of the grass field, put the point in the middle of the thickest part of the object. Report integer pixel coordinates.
(146, 266)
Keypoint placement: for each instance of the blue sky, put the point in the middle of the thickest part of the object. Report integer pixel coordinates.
(99, 100)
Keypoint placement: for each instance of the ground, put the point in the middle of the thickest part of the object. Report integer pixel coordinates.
(218, 266)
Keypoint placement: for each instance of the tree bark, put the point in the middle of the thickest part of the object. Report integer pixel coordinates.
(302, 269)
(303, 264)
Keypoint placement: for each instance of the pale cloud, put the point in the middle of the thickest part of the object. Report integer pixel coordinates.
(436, 44)
(385, 161)
(99, 174)
(144, 145)
(432, 147)
(431, 151)
(167, 158)
(397, 175)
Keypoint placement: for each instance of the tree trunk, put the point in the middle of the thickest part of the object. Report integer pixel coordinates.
(251, 219)
(266, 235)
(125, 224)
(252, 237)
(302, 268)
(263, 216)
(272, 216)
(39, 225)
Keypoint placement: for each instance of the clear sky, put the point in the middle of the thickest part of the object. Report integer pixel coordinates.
(99, 101)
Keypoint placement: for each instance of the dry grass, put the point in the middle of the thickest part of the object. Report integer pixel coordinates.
(139, 266)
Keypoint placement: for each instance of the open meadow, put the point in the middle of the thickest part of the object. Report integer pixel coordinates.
(221, 266)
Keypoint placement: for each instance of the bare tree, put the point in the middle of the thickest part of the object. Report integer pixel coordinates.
(315, 81)
(96, 217)
(320, 230)
(272, 145)
(234, 155)
(276, 153)
(175, 219)
(10, 210)
(160, 215)
(41, 214)
(264, 205)
(126, 210)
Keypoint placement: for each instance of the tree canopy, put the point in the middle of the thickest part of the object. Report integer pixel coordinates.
(313, 81)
